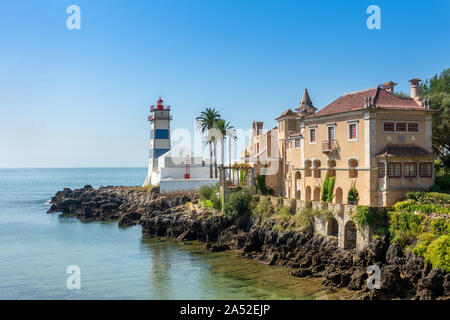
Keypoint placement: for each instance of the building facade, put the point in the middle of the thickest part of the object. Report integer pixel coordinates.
(263, 155)
(372, 139)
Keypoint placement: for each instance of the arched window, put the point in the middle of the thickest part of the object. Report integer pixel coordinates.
(308, 165)
(316, 168)
(352, 168)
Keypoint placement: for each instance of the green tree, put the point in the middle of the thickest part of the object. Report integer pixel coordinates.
(437, 89)
(325, 188)
(206, 123)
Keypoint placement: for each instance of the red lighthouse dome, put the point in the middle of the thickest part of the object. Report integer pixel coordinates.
(159, 104)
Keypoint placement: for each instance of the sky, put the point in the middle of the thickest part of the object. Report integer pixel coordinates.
(81, 97)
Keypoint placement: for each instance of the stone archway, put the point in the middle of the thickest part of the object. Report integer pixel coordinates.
(332, 227)
(308, 193)
(339, 195)
(350, 235)
(316, 194)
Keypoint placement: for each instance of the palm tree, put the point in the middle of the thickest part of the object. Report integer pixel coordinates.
(205, 123)
(226, 130)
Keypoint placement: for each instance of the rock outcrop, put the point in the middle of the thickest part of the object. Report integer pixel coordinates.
(403, 276)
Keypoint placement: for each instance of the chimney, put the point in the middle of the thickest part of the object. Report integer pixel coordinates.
(389, 86)
(415, 88)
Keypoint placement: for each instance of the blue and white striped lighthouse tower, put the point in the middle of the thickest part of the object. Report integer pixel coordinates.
(159, 137)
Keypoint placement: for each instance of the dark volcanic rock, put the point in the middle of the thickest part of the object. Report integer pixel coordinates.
(402, 275)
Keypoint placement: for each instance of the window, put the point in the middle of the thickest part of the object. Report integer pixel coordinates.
(297, 143)
(352, 131)
(410, 170)
(394, 170)
(425, 169)
(389, 126)
(400, 126)
(312, 135)
(331, 133)
(381, 170)
(413, 127)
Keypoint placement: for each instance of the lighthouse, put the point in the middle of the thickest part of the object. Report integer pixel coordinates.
(159, 138)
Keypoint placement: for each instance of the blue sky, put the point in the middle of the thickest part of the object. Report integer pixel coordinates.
(76, 98)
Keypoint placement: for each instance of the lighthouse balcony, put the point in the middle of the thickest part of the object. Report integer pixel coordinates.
(154, 116)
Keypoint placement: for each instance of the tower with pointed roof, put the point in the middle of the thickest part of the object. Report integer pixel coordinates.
(306, 107)
(159, 135)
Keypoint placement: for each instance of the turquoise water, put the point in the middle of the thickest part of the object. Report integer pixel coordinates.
(117, 263)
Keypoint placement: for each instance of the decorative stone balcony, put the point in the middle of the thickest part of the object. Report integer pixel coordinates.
(329, 146)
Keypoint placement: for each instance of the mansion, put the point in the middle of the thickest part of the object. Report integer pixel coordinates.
(372, 139)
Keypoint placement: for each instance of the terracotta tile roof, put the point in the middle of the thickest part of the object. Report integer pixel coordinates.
(286, 113)
(404, 150)
(356, 101)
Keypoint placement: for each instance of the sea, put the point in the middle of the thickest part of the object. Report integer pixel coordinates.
(54, 256)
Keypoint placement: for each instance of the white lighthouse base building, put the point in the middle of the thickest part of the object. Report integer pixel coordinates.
(179, 170)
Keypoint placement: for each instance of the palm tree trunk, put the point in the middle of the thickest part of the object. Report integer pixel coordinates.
(210, 160)
(229, 155)
(215, 159)
(222, 155)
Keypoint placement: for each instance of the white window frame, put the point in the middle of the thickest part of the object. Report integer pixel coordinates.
(315, 135)
(349, 123)
(332, 125)
(402, 132)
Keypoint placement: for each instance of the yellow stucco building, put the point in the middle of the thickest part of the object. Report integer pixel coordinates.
(372, 138)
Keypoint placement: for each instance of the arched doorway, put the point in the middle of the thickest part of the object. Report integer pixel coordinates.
(349, 235)
(308, 193)
(316, 194)
(332, 227)
(339, 195)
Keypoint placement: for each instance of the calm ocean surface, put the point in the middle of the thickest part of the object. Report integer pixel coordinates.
(117, 263)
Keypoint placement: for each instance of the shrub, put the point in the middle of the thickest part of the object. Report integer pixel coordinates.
(330, 194)
(207, 203)
(404, 227)
(325, 188)
(353, 195)
(370, 216)
(263, 208)
(260, 183)
(285, 212)
(430, 198)
(305, 217)
(216, 203)
(438, 253)
(237, 203)
(205, 192)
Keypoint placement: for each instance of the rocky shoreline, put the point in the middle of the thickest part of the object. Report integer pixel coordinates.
(403, 276)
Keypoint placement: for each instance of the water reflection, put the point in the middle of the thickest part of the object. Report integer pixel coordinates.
(180, 271)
